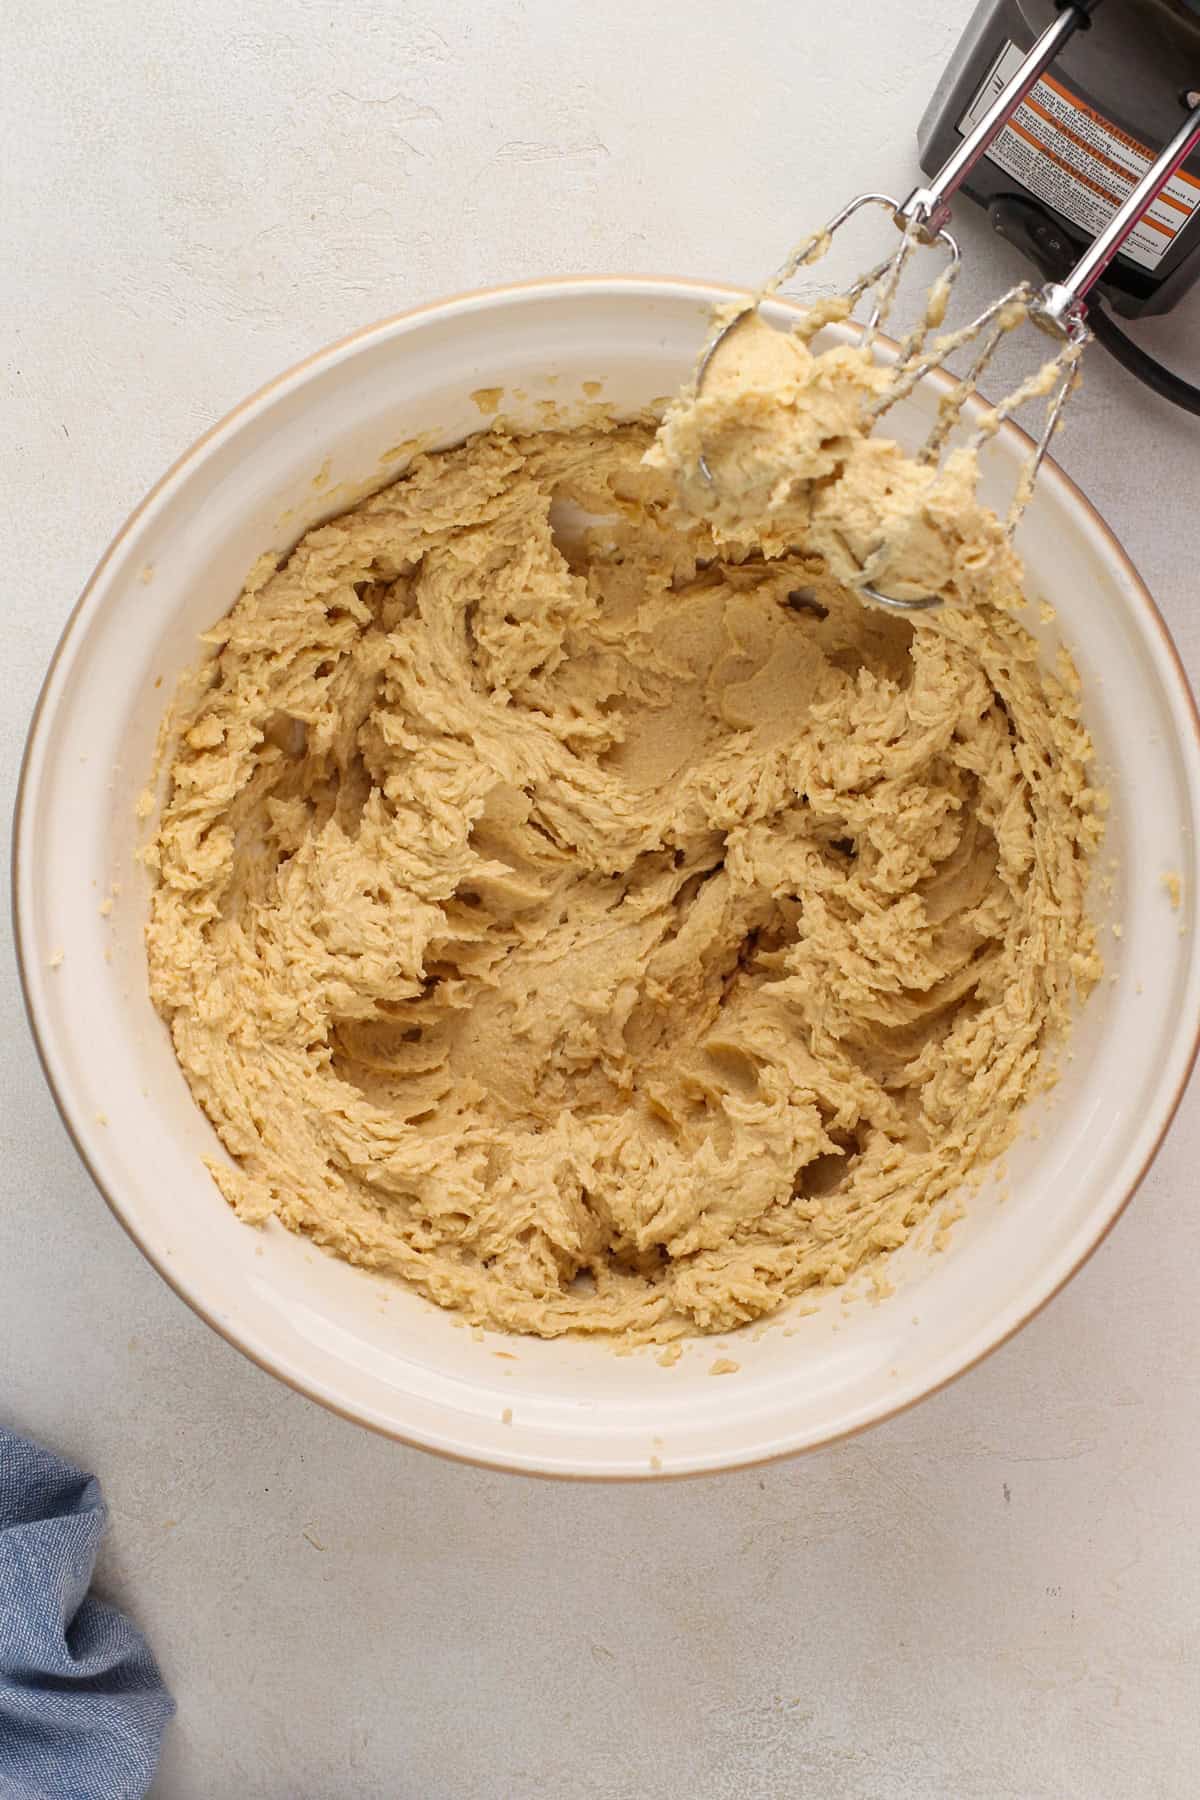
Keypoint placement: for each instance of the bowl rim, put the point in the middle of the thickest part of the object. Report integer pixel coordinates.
(1142, 606)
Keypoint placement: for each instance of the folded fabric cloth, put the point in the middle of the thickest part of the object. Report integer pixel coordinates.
(82, 1704)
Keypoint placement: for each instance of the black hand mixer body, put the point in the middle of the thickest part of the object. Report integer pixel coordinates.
(1089, 129)
(1116, 92)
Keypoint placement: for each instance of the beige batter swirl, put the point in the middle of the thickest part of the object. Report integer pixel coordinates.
(599, 930)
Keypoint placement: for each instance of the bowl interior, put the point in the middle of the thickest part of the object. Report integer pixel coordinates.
(303, 450)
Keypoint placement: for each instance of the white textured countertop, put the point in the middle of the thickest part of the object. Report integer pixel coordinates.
(996, 1597)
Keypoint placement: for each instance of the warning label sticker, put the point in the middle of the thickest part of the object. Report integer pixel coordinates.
(1077, 162)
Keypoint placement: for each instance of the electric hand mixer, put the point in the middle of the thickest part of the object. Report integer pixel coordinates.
(1073, 140)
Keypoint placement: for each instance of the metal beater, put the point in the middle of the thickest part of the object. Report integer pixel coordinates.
(1058, 308)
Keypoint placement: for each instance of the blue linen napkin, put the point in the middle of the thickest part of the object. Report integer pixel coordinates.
(82, 1704)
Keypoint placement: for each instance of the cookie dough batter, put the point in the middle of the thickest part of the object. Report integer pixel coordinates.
(599, 929)
(785, 433)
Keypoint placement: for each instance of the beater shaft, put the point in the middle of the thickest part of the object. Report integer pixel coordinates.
(927, 209)
(1061, 305)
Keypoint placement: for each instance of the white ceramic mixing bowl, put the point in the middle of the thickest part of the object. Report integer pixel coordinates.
(297, 452)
